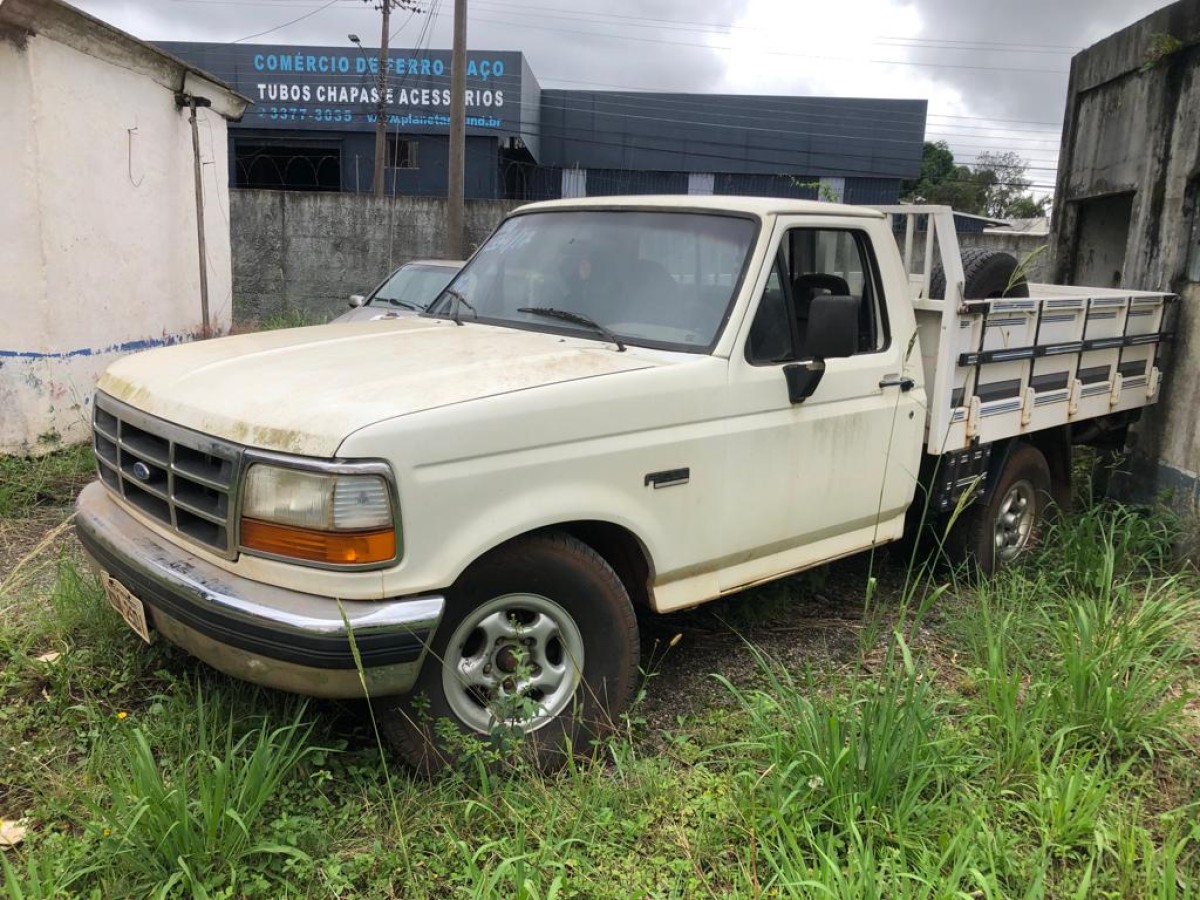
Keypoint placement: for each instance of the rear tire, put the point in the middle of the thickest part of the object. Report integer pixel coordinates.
(1007, 525)
(538, 649)
(987, 274)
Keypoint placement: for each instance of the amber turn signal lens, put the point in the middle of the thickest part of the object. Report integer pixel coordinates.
(344, 548)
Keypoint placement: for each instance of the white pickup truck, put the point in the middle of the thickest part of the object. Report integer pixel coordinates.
(618, 402)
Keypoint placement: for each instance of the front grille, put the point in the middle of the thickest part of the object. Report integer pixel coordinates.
(183, 478)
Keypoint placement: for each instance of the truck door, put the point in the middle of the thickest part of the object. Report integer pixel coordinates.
(831, 475)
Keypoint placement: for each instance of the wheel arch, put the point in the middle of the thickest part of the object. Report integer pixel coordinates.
(620, 547)
(1054, 444)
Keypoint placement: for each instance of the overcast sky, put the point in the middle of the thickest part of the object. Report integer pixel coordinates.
(994, 73)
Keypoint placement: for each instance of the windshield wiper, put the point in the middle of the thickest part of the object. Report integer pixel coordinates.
(407, 304)
(459, 301)
(578, 318)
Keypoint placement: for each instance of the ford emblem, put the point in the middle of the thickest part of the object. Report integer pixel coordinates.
(141, 471)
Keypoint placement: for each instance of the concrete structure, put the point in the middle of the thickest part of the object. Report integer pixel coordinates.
(310, 128)
(303, 252)
(1127, 206)
(98, 236)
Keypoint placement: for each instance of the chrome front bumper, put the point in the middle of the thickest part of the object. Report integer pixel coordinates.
(253, 631)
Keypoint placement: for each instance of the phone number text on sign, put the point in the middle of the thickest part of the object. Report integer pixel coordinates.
(303, 114)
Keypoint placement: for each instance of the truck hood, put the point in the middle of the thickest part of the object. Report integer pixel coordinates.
(304, 390)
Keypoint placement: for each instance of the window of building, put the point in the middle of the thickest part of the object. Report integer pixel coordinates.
(402, 153)
(574, 183)
(701, 183)
(814, 261)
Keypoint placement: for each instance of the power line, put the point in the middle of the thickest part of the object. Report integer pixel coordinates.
(704, 27)
(784, 53)
(725, 29)
(542, 131)
(286, 24)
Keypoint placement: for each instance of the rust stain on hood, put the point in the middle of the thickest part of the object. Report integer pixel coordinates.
(303, 390)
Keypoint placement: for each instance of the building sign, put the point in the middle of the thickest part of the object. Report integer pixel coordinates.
(328, 87)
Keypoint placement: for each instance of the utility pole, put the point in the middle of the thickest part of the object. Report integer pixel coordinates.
(381, 106)
(458, 134)
(191, 101)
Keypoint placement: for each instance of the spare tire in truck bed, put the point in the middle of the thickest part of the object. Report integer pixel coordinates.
(986, 274)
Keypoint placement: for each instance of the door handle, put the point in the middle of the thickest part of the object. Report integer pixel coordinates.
(903, 382)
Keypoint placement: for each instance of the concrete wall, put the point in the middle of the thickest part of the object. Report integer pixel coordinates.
(97, 220)
(1133, 128)
(305, 253)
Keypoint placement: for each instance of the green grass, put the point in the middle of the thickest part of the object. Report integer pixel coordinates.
(28, 484)
(285, 318)
(1025, 736)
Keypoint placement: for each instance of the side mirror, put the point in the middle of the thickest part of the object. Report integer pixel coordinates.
(832, 326)
(357, 300)
(832, 334)
(802, 379)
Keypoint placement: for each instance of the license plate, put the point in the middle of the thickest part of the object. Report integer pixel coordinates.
(132, 610)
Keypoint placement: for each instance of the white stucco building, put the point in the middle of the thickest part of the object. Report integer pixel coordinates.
(99, 245)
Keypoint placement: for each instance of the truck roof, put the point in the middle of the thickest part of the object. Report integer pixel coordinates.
(756, 206)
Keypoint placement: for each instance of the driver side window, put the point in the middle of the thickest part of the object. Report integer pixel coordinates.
(813, 261)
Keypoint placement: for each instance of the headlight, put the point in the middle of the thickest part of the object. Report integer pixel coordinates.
(316, 516)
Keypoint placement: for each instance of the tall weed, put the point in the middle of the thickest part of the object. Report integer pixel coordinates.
(1110, 542)
(37, 879)
(1153, 869)
(1121, 652)
(191, 818)
(872, 761)
(1065, 804)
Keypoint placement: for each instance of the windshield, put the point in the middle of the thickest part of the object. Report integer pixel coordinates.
(415, 285)
(662, 279)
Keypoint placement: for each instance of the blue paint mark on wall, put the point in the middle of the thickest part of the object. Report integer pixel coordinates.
(126, 347)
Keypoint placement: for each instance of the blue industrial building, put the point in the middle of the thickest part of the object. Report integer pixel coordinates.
(311, 127)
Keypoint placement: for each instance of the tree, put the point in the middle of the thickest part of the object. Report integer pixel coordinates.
(943, 182)
(1004, 177)
(1028, 208)
(995, 186)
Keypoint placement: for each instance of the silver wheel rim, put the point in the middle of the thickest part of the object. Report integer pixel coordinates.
(514, 662)
(1014, 521)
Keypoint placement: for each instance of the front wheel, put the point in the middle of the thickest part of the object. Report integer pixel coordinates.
(539, 645)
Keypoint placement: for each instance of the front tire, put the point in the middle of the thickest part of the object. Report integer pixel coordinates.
(539, 644)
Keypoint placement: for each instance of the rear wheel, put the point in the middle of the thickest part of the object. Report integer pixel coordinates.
(1007, 525)
(538, 649)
